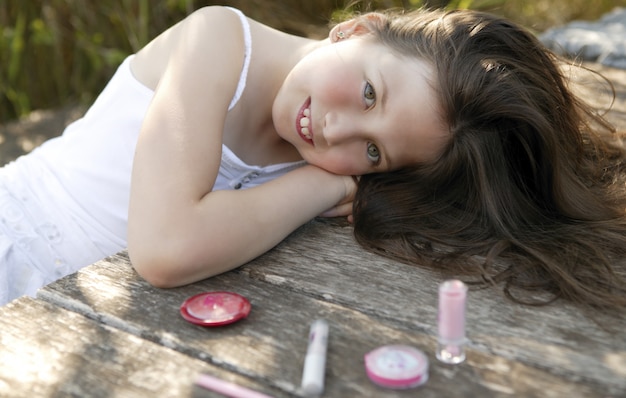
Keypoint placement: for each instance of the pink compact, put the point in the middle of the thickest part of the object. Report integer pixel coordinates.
(215, 308)
(397, 366)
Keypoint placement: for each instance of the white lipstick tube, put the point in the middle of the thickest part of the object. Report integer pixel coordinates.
(451, 339)
(315, 360)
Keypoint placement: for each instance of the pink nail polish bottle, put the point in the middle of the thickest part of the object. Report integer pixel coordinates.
(451, 319)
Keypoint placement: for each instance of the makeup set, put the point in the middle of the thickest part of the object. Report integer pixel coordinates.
(403, 367)
(389, 366)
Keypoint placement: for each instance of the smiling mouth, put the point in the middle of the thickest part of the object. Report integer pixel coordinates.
(303, 122)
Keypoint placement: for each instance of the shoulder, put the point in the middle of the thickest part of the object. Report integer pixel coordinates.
(211, 17)
(208, 36)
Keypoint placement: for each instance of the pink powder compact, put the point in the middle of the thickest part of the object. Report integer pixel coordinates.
(397, 366)
(215, 308)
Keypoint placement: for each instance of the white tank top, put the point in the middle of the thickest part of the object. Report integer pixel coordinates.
(84, 175)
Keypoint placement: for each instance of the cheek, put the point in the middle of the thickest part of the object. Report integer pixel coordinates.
(339, 86)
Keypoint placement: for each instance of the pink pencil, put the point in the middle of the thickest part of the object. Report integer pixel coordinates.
(227, 388)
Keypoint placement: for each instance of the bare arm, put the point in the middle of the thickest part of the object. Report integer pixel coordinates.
(179, 231)
(226, 229)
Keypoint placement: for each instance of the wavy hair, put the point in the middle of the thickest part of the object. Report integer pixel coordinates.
(528, 194)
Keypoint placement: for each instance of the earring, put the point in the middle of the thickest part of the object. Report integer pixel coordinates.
(341, 35)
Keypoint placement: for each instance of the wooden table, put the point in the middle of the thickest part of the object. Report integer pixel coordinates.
(104, 332)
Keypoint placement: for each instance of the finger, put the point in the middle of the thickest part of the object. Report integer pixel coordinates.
(341, 210)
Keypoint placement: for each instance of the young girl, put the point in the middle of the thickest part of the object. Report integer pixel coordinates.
(222, 136)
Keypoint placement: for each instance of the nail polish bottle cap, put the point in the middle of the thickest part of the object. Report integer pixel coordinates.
(215, 308)
(397, 366)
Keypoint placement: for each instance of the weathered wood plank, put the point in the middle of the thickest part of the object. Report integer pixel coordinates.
(270, 344)
(47, 351)
(557, 338)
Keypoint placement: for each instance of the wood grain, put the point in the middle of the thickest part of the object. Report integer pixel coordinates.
(51, 352)
(504, 358)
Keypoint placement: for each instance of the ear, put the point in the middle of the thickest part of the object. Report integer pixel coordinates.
(354, 27)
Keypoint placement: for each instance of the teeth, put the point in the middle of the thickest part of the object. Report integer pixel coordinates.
(305, 122)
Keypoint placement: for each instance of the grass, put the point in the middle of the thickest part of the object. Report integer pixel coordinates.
(55, 52)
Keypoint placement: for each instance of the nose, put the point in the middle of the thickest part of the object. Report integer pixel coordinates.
(340, 128)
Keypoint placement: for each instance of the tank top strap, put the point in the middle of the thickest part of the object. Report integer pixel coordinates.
(247, 37)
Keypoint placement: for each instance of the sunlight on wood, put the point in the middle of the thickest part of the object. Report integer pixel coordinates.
(616, 362)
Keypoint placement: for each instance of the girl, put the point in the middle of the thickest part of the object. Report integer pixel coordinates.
(222, 136)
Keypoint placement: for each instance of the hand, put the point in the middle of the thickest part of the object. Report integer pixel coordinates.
(344, 207)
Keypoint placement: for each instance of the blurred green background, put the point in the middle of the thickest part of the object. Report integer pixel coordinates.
(59, 52)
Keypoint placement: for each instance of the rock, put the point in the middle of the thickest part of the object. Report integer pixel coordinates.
(21, 136)
(602, 41)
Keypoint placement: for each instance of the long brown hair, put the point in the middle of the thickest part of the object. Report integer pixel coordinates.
(526, 194)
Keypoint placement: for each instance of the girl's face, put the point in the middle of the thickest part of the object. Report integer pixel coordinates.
(354, 107)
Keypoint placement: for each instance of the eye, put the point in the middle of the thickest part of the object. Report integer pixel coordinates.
(369, 94)
(373, 154)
